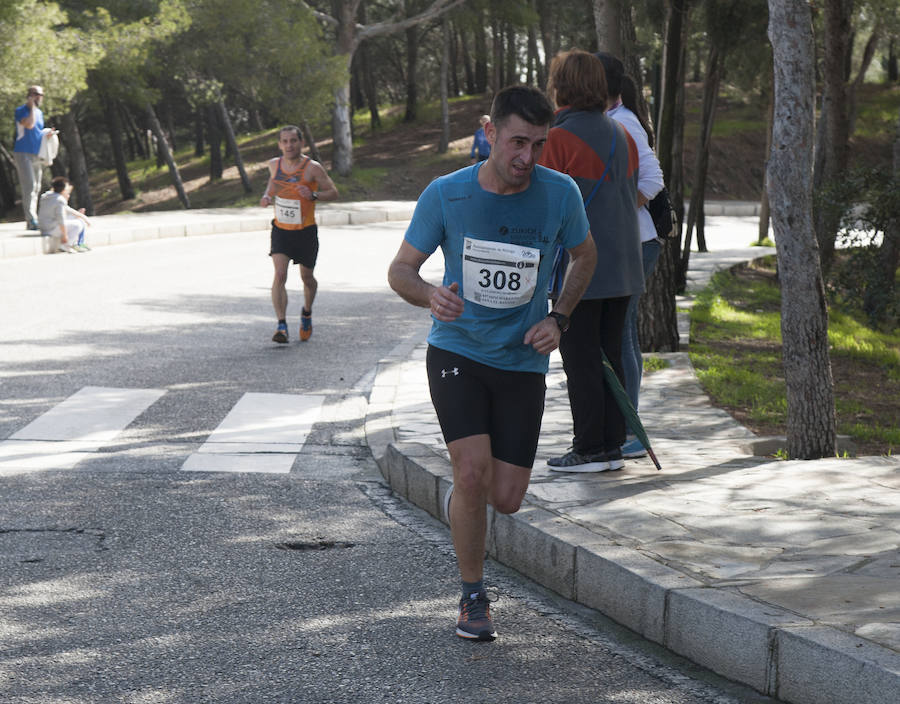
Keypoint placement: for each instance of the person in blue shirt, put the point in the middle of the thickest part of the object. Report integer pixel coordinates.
(498, 223)
(481, 148)
(29, 130)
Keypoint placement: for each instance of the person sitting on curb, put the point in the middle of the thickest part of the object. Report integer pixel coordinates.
(59, 222)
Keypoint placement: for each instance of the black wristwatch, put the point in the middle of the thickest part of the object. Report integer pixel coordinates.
(561, 320)
(314, 196)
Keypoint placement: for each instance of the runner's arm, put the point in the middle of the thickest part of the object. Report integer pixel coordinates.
(267, 197)
(544, 335)
(404, 278)
(327, 190)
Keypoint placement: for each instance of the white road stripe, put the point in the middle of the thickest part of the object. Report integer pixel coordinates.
(83, 423)
(262, 433)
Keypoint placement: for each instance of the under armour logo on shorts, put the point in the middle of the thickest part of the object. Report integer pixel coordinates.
(454, 372)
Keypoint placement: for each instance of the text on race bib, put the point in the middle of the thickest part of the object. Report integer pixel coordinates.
(287, 211)
(497, 274)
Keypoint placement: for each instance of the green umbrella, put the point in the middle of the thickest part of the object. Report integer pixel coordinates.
(624, 403)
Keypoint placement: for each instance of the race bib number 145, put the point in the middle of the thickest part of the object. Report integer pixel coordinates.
(499, 275)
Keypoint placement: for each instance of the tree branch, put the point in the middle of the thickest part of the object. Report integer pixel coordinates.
(437, 8)
(321, 16)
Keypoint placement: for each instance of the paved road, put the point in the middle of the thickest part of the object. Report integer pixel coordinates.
(126, 575)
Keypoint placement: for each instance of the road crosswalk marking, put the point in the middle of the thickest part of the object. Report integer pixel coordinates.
(263, 432)
(68, 432)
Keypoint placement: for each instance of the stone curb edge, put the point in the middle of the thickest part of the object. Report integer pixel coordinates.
(776, 652)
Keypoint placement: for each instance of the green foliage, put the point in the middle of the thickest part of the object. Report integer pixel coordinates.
(58, 56)
(868, 203)
(736, 351)
(654, 364)
(134, 48)
(877, 111)
(271, 52)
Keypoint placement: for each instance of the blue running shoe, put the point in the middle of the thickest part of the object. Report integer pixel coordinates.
(305, 325)
(633, 449)
(281, 334)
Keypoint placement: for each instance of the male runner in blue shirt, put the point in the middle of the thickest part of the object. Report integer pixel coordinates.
(498, 223)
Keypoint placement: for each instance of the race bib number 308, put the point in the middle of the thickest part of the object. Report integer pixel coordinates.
(499, 275)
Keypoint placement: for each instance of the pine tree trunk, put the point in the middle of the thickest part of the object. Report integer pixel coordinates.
(714, 62)
(606, 24)
(468, 69)
(832, 151)
(657, 316)
(412, 61)
(511, 64)
(481, 55)
(444, 143)
(764, 212)
(7, 181)
(536, 76)
(163, 146)
(804, 318)
(114, 128)
(199, 142)
(310, 141)
(233, 147)
(453, 86)
(78, 172)
(214, 134)
(885, 282)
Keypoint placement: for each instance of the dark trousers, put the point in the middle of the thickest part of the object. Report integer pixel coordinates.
(595, 325)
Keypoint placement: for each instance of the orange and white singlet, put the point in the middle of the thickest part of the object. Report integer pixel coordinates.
(293, 212)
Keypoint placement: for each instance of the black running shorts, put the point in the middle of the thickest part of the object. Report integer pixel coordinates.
(301, 246)
(475, 399)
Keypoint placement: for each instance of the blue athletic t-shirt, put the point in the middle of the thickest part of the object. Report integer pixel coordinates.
(499, 248)
(28, 140)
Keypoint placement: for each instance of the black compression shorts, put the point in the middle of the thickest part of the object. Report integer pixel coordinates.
(302, 246)
(475, 399)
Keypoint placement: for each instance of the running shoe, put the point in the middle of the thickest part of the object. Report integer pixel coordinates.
(446, 503)
(473, 621)
(281, 334)
(305, 325)
(633, 449)
(574, 462)
(614, 457)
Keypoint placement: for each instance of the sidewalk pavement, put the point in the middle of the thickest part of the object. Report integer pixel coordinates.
(781, 575)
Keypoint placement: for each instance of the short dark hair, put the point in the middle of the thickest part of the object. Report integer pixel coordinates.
(59, 184)
(525, 101)
(577, 81)
(291, 128)
(615, 69)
